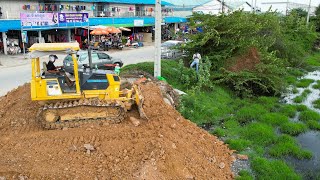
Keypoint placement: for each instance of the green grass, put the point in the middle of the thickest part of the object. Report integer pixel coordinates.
(249, 125)
(316, 86)
(220, 132)
(238, 144)
(198, 106)
(293, 129)
(286, 145)
(273, 169)
(250, 113)
(302, 97)
(309, 115)
(288, 110)
(273, 119)
(301, 107)
(316, 104)
(303, 83)
(295, 90)
(314, 60)
(259, 133)
(244, 175)
(314, 125)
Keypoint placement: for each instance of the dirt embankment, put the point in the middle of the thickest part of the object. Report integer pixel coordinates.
(165, 147)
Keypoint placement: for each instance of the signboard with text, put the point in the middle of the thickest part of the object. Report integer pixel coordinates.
(73, 17)
(138, 22)
(47, 20)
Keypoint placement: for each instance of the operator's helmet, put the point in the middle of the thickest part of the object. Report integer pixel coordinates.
(53, 57)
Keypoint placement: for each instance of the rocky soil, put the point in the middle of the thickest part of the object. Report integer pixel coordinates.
(166, 146)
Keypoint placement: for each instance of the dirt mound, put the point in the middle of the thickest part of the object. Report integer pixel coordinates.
(247, 61)
(165, 147)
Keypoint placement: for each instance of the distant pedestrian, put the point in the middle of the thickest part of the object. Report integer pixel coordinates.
(117, 69)
(196, 60)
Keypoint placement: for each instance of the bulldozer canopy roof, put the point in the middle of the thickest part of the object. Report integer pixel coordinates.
(43, 49)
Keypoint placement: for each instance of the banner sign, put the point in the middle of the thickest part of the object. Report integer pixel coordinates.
(39, 20)
(138, 22)
(24, 36)
(73, 17)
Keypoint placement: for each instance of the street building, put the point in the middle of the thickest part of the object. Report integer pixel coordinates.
(25, 22)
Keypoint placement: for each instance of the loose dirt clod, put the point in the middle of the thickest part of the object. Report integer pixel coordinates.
(166, 146)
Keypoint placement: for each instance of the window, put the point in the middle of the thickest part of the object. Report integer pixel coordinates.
(95, 58)
(103, 56)
(83, 57)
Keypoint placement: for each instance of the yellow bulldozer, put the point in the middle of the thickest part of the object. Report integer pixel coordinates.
(95, 95)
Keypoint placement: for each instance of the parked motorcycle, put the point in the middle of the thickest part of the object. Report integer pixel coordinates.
(13, 48)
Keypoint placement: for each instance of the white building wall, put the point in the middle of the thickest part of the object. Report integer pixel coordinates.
(11, 8)
(245, 7)
(213, 7)
(281, 8)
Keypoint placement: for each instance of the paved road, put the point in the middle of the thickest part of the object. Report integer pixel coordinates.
(12, 77)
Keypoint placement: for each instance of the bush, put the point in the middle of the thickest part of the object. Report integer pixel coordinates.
(293, 129)
(287, 146)
(273, 169)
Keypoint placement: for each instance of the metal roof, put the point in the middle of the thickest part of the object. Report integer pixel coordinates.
(119, 1)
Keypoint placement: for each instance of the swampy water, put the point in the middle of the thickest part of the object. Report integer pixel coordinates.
(311, 139)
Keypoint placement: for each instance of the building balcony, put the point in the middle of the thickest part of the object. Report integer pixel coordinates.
(122, 14)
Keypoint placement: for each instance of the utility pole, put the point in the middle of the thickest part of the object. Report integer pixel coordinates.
(251, 6)
(308, 17)
(157, 40)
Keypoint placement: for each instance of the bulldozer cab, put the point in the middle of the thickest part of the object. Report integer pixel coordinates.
(52, 86)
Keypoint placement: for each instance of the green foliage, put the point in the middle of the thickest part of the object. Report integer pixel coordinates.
(316, 103)
(280, 41)
(304, 83)
(285, 145)
(273, 169)
(244, 175)
(302, 97)
(238, 144)
(259, 133)
(309, 115)
(299, 12)
(293, 129)
(288, 110)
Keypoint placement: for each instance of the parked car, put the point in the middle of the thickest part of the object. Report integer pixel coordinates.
(99, 60)
(169, 49)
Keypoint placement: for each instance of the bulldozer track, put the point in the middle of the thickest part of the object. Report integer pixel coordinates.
(82, 105)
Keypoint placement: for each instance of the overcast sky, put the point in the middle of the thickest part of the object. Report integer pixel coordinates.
(313, 2)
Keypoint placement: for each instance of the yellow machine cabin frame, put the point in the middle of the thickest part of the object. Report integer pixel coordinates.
(40, 84)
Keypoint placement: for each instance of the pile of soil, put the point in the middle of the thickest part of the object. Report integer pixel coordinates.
(247, 61)
(166, 146)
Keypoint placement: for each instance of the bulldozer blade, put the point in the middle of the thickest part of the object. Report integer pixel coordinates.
(139, 101)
